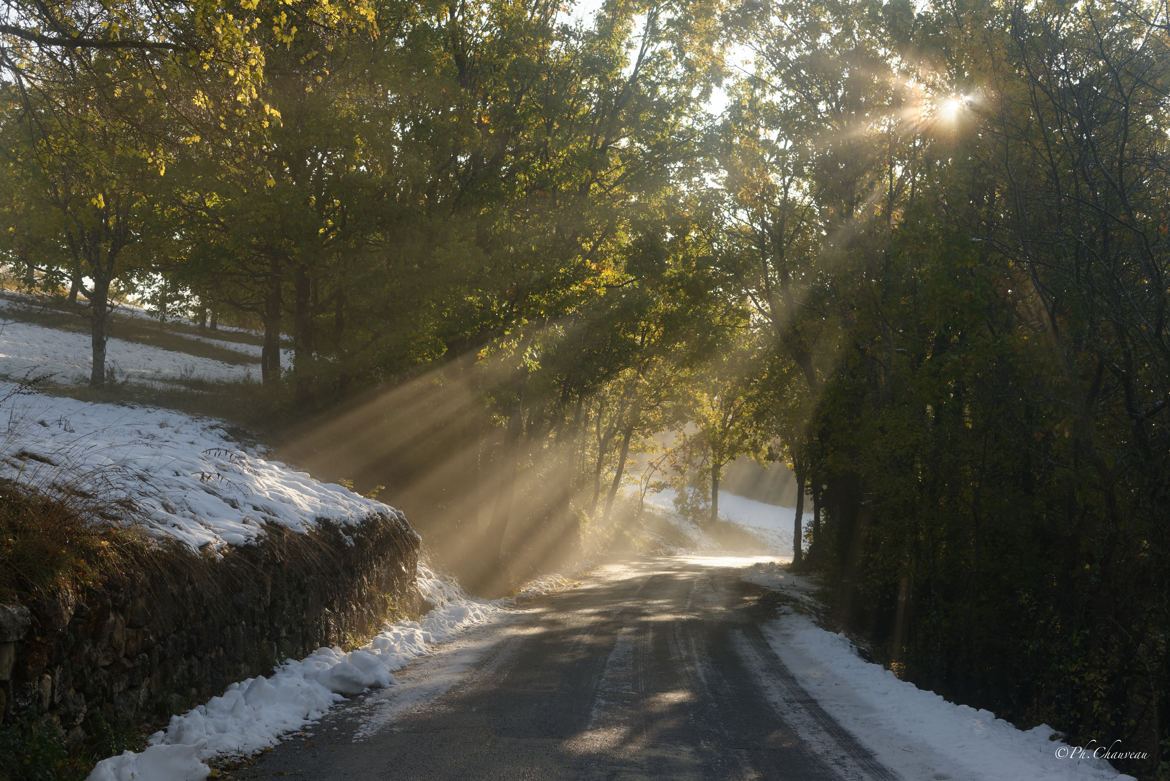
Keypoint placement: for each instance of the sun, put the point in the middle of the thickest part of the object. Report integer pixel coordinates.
(952, 107)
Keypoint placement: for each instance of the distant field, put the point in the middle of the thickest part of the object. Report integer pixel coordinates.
(133, 325)
(174, 364)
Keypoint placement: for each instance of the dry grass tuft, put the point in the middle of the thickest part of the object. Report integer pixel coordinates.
(48, 542)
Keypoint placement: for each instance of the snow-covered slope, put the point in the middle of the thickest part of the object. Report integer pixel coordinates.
(180, 476)
(65, 357)
(771, 523)
(185, 477)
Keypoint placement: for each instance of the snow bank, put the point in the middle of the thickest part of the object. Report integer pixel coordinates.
(253, 714)
(915, 732)
(184, 477)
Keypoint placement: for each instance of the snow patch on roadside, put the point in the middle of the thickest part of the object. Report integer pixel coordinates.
(776, 577)
(184, 477)
(252, 715)
(912, 731)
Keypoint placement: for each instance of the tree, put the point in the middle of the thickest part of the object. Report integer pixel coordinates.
(988, 282)
(94, 81)
(90, 176)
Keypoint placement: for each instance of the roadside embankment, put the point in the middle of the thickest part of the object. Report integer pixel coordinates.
(149, 560)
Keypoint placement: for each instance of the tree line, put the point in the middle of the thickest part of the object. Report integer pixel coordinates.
(917, 251)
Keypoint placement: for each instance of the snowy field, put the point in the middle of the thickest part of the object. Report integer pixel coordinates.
(27, 348)
(912, 731)
(184, 477)
(771, 523)
(65, 356)
(142, 313)
(245, 349)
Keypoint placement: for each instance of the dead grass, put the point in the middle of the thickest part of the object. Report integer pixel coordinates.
(48, 543)
(254, 413)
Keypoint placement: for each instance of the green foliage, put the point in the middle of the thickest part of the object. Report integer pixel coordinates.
(39, 752)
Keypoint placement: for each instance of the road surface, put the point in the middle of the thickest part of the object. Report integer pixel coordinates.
(652, 669)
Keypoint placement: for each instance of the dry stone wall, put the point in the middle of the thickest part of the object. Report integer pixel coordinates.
(177, 627)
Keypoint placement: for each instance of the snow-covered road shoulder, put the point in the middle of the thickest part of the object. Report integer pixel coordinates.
(914, 732)
(253, 714)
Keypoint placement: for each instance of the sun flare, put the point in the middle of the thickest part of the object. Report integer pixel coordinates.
(951, 108)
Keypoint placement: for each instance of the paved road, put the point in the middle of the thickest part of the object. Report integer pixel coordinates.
(656, 669)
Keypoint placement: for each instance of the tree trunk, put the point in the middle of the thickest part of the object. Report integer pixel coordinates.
(602, 447)
(98, 309)
(814, 545)
(343, 378)
(302, 333)
(270, 354)
(498, 532)
(621, 468)
(339, 306)
(577, 457)
(575, 464)
(74, 284)
(798, 521)
(715, 476)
